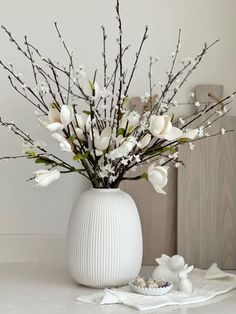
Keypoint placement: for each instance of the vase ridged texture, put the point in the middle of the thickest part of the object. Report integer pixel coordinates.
(104, 239)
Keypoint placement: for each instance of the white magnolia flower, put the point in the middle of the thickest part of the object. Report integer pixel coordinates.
(84, 125)
(144, 141)
(66, 115)
(80, 134)
(84, 122)
(129, 120)
(44, 177)
(64, 144)
(157, 176)
(197, 104)
(161, 127)
(58, 120)
(124, 149)
(102, 141)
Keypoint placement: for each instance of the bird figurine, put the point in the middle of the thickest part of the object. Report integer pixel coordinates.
(169, 268)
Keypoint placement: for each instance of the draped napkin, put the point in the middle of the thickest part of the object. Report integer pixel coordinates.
(206, 285)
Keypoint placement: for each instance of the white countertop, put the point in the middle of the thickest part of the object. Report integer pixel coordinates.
(42, 288)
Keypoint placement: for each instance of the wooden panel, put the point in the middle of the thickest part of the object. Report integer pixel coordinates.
(207, 200)
(157, 212)
(202, 92)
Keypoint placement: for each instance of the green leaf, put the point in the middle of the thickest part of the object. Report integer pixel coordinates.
(172, 117)
(121, 131)
(158, 149)
(45, 161)
(87, 112)
(31, 154)
(53, 105)
(145, 176)
(71, 139)
(91, 85)
(80, 156)
(183, 140)
(130, 129)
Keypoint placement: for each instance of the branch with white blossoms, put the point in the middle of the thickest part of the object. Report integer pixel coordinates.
(89, 119)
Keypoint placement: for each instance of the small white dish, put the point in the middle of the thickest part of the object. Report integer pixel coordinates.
(151, 291)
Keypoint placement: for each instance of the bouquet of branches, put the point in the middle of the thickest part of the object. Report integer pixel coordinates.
(107, 140)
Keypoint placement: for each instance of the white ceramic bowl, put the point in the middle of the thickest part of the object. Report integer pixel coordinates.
(151, 291)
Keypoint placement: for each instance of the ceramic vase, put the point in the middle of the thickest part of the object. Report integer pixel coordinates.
(104, 239)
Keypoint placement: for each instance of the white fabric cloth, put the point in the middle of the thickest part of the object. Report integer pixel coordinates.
(203, 290)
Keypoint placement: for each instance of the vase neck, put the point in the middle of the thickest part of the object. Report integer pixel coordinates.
(107, 190)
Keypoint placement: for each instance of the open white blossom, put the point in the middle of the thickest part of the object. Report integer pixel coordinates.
(84, 122)
(58, 120)
(101, 141)
(161, 127)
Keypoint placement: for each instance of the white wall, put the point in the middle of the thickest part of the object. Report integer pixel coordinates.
(26, 210)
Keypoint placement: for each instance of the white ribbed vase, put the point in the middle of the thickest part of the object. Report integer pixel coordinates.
(104, 239)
